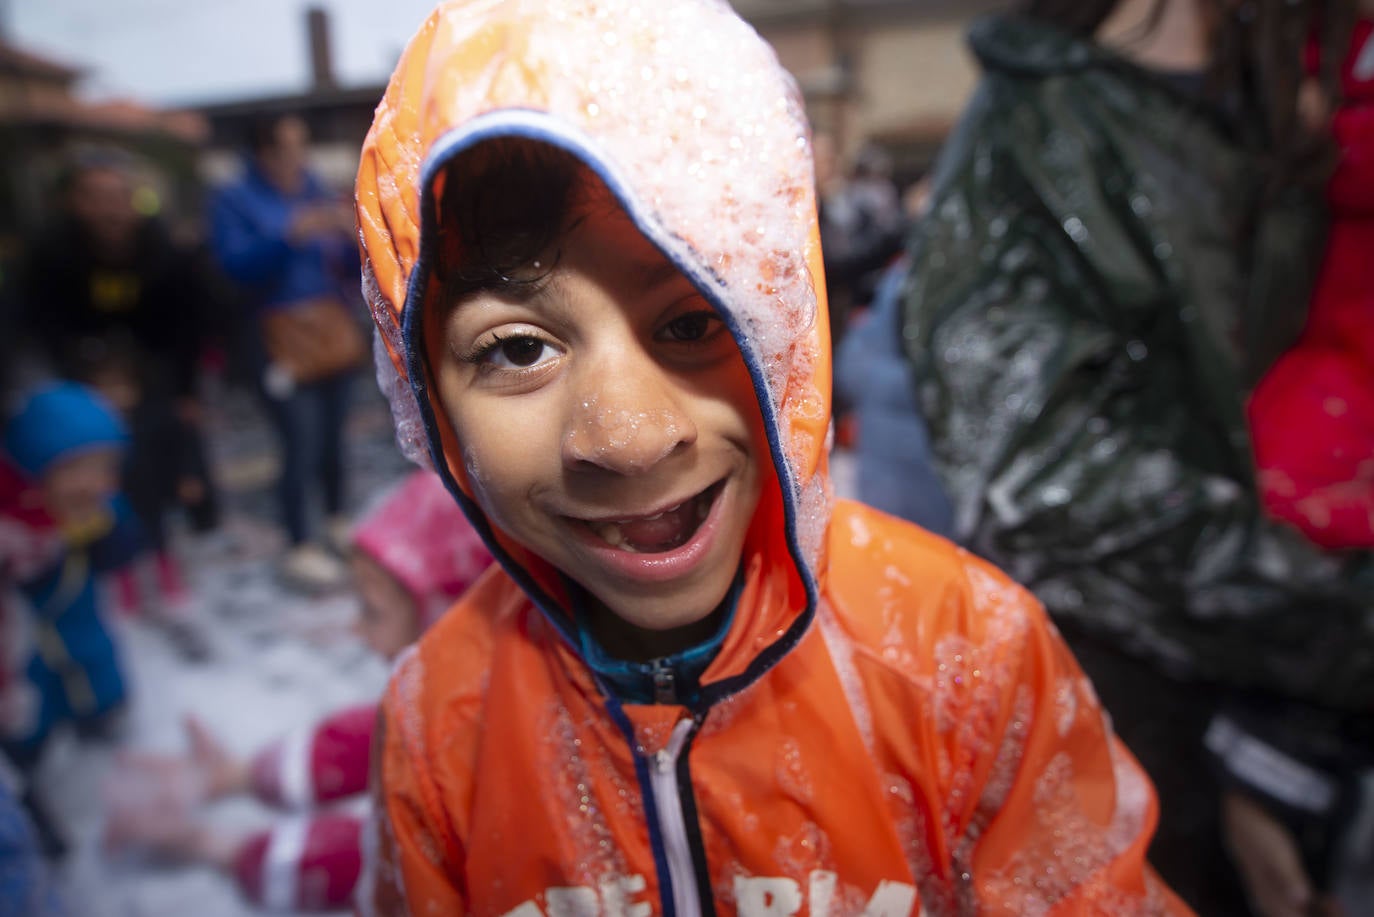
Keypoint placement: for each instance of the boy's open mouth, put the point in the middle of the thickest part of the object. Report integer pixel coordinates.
(661, 532)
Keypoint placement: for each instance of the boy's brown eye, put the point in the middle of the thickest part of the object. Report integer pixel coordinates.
(691, 327)
(522, 351)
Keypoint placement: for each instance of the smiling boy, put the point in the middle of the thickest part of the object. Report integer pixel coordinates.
(697, 684)
(611, 398)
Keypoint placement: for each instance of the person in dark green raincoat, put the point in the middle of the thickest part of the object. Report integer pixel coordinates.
(1123, 230)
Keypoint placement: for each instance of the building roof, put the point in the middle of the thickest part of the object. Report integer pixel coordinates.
(17, 61)
(45, 97)
(295, 102)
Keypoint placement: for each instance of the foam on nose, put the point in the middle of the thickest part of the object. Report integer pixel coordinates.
(631, 439)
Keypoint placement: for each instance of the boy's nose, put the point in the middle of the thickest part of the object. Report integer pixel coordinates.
(626, 424)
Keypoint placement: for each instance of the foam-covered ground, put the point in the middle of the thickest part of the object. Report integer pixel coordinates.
(278, 660)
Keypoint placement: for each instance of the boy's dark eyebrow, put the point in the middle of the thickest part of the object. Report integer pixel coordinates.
(520, 290)
(656, 273)
(650, 275)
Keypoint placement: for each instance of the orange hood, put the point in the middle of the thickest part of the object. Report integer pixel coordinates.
(713, 166)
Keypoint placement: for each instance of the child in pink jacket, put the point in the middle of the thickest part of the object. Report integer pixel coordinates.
(412, 556)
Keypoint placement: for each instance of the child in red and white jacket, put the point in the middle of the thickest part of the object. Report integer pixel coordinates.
(412, 556)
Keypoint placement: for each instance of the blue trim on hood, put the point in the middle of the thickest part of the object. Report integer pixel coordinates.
(545, 128)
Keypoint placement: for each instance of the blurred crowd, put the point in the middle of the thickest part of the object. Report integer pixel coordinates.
(1119, 341)
(1124, 353)
(117, 327)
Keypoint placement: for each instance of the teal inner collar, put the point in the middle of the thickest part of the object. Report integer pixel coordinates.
(674, 679)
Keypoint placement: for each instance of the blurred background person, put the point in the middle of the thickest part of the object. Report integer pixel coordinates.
(1122, 231)
(1312, 415)
(895, 471)
(61, 524)
(115, 303)
(412, 555)
(26, 885)
(861, 223)
(1312, 419)
(289, 241)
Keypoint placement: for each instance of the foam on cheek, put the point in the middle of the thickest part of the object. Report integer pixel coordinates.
(473, 468)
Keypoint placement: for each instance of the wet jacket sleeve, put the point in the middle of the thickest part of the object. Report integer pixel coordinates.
(321, 764)
(414, 861)
(1054, 816)
(1088, 425)
(301, 864)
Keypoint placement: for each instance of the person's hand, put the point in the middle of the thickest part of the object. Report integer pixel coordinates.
(1314, 111)
(316, 221)
(916, 200)
(221, 773)
(1269, 862)
(164, 826)
(150, 803)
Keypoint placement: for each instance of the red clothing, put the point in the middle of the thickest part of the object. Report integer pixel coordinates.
(321, 765)
(1312, 415)
(302, 864)
(888, 725)
(29, 542)
(309, 862)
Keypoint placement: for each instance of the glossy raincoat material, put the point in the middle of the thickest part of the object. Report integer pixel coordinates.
(889, 727)
(1085, 317)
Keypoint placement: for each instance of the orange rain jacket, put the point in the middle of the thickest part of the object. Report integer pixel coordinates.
(890, 727)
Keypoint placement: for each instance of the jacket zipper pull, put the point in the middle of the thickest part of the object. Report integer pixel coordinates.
(665, 687)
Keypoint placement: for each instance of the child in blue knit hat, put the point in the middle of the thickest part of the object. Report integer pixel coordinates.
(62, 523)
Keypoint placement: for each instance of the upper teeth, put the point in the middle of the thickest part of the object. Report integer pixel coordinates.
(611, 533)
(671, 509)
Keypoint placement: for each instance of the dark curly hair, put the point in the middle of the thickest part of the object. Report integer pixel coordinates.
(501, 209)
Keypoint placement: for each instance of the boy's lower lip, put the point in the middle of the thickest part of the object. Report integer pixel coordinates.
(662, 566)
